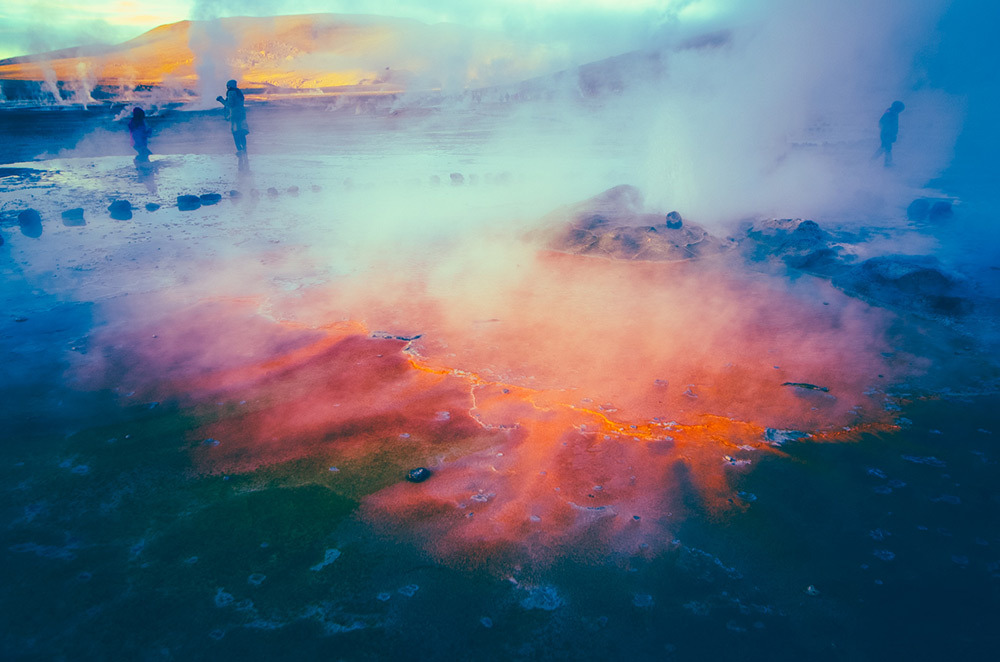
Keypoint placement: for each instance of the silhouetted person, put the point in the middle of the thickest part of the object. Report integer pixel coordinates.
(139, 131)
(236, 113)
(888, 126)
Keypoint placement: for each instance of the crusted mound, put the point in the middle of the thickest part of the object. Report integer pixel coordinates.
(615, 225)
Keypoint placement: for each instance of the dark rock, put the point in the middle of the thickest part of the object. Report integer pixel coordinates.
(615, 225)
(29, 217)
(73, 217)
(457, 179)
(418, 475)
(121, 210)
(273, 192)
(916, 283)
(209, 198)
(917, 211)
(152, 206)
(293, 190)
(235, 194)
(940, 211)
(1, 240)
(188, 202)
(808, 387)
(674, 221)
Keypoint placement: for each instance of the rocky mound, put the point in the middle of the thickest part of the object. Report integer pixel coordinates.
(615, 225)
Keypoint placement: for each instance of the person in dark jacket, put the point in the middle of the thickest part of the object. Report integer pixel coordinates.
(139, 132)
(236, 113)
(888, 126)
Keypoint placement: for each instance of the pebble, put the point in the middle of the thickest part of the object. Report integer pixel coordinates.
(418, 475)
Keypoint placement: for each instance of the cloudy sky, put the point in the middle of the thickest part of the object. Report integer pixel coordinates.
(32, 26)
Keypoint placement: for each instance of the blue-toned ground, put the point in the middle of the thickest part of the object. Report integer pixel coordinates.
(129, 532)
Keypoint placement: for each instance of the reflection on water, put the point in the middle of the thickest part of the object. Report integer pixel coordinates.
(217, 409)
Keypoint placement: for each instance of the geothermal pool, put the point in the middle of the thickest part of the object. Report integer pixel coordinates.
(716, 451)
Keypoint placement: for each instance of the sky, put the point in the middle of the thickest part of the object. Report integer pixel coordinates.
(32, 26)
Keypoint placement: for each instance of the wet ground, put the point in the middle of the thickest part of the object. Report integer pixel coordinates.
(209, 416)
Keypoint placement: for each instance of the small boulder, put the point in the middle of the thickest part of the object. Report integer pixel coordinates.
(674, 221)
(152, 206)
(28, 217)
(73, 217)
(235, 194)
(121, 210)
(418, 475)
(273, 192)
(293, 190)
(940, 211)
(188, 202)
(917, 211)
(209, 198)
(457, 179)
(316, 188)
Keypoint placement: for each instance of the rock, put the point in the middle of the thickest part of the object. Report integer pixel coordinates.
(316, 188)
(293, 190)
(674, 221)
(121, 210)
(457, 179)
(235, 194)
(273, 192)
(209, 198)
(418, 475)
(940, 211)
(808, 387)
(615, 225)
(188, 202)
(152, 206)
(73, 217)
(435, 180)
(1, 240)
(917, 211)
(29, 217)
(916, 283)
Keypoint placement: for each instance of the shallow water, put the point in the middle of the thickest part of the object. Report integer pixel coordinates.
(210, 416)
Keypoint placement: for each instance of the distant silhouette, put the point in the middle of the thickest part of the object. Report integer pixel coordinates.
(888, 126)
(236, 113)
(139, 131)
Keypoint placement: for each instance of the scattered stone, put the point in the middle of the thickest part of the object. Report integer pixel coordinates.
(918, 210)
(316, 188)
(73, 217)
(273, 192)
(940, 211)
(916, 282)
(457, 179)
(29, 217)
(235, 194)
(188, 202)
(121, 210)
(293, 190)
(329, 557)
(812, 590)
(674, 221)
(418, 475)
(809, 387)
(209, 198)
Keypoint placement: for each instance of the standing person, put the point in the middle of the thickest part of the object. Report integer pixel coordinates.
(888, 126)
(139, 132)
(236, 113)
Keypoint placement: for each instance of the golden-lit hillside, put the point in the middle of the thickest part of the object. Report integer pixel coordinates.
(306, 51)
